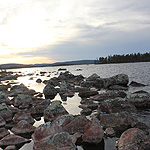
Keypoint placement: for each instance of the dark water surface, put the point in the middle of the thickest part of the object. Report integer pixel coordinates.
(139, 72)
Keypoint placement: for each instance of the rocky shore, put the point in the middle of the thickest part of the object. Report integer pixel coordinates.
(108, 110)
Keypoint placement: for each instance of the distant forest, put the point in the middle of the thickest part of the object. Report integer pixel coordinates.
(136, 57)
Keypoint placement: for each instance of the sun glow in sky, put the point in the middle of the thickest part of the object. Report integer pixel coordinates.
(44, 31)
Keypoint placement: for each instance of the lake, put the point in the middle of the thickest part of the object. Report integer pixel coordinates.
(139, 72)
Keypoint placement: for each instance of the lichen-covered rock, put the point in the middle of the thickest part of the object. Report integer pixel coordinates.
(49, 91)
(3, 132)
(110, 132)
(4, 99)
(23, 101)
(13, 139)
(23, 128)
(59, 141)
(94, 133)
(54, 110)
(132, 139)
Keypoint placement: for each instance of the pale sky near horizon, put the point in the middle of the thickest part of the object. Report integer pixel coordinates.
(45, 31)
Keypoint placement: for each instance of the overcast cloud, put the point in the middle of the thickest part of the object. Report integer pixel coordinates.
(63, 30)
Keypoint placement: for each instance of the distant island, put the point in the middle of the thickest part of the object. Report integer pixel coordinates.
(128, 58)
(66, 63)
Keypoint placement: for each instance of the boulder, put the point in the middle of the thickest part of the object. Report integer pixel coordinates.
(4, 98)
(3, 87)
(86, 111)
(120, 79)
(23, 101)
(94, 134)
(117, 87)
(2, 122)
(23, 128)
(108, 95)
(23, 116)
(3, 132)
(65, 75)
(132, 139)
(11, 147)
(49, 91)
(139, 100)
(116, 105)
(38, 80)
(93, 77)
(110, 132)
(54, 110)
(13, 139)
(77, 125)
(5, 112)
(59, 141)
(86, 94)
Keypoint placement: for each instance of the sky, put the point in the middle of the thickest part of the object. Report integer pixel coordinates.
(47, 31)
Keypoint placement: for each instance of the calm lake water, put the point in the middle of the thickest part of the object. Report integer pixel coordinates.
(139, 72)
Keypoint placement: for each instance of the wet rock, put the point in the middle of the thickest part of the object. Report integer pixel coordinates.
(108, 95)
(77, 125)
(11, 147)
(59, 141)
(116, 105)
(85, 94)
(139, 100)
(13, 139)
(2, 122)
(110, 132)
(94, 133)
(5, 113)
(23, 128)
(131, 139)
(23, 116)
(38, 80)
(23, 101)
(53, 81)
(136, 84)
(118, 121)
(49, 91)
(54, 110)
(4, 98)
(3, 132)
(11, 77)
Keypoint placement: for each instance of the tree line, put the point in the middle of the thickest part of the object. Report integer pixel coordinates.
(134, 57)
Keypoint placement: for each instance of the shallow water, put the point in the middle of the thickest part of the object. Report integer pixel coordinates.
(138, 72)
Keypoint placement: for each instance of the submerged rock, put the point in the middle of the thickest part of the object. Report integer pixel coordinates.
(136, 84)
